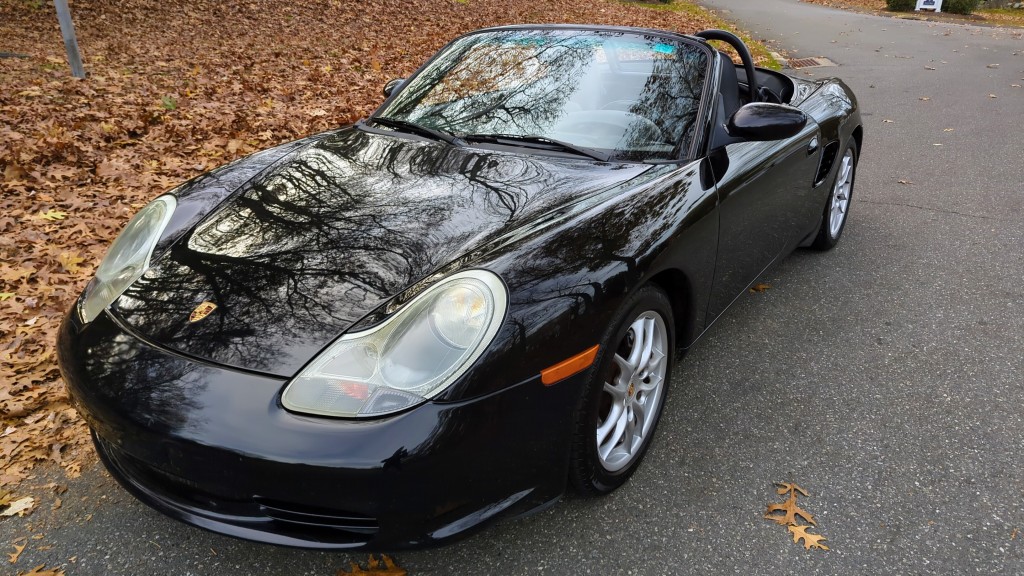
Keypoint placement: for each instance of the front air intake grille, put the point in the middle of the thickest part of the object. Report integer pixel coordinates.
(293, 514)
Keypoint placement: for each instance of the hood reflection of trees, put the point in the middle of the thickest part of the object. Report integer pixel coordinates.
(148, 385)
(316, 244)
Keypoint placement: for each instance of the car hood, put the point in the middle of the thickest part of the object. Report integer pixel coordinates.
(308, 247)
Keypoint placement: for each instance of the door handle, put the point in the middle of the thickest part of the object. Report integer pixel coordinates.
(812, 147)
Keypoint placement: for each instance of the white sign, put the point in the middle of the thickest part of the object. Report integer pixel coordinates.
(929, 5)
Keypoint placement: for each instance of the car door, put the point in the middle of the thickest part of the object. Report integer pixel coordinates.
(764, 189)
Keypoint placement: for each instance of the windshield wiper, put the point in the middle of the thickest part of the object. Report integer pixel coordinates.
(412, 127)
(538, 141)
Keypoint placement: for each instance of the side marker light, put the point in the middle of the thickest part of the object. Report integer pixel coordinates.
(569, 366)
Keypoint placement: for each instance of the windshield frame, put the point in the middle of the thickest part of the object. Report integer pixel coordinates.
(701, 117)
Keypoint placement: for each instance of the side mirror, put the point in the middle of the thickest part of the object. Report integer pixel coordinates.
(761, 121)
(392, 85)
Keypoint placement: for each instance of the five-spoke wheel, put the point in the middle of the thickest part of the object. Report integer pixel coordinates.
(632, 389)
(838, 206)
(620, 409)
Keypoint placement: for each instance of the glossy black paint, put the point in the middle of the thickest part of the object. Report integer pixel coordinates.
(763, 121)
(303, 242)
(212, 446)
(306, 249)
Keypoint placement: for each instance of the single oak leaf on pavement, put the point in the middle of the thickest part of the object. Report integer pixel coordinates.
(810, 540)
(374, 567)
(791, 512)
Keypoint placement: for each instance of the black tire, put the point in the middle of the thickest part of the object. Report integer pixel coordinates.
(594, 474)
(828, 233)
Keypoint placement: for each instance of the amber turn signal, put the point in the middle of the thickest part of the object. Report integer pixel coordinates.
(569, 366)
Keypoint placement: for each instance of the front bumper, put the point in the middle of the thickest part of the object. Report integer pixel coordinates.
(213, 447)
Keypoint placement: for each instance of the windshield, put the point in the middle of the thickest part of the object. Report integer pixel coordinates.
(627, 95)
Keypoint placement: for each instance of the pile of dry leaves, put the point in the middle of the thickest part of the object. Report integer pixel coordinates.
(176, 88)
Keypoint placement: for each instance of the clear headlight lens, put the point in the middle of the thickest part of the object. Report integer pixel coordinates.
(128, 257)
(414, 355)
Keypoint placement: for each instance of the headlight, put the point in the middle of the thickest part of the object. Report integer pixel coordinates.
(128, 257)
(414, 355)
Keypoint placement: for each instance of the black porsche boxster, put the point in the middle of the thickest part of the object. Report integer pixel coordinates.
(392, 333)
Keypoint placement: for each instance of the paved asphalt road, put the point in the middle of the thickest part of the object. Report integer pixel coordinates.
(884, 377)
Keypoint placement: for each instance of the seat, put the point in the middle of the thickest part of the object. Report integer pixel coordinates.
(729, 89)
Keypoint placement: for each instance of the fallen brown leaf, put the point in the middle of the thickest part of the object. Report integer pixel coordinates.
(20, 507)
(789, 488)
(383, 567)
(760, 287)
(18, 549)
(810, 540)
(53, 215)
(15, 172)
(790, 512)
(70, 262)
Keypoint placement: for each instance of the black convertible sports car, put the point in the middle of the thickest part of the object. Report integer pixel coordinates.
(389, 334)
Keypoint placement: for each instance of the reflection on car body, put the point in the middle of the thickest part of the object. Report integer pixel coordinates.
(449, 312)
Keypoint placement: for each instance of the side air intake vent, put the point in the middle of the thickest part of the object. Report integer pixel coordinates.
(828, 157)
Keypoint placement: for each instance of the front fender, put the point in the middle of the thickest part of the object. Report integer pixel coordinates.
(567, 281)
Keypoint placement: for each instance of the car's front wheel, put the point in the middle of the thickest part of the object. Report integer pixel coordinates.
(620, 408)
(838, 206)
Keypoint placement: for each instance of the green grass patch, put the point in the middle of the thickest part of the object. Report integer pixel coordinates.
(761, 54)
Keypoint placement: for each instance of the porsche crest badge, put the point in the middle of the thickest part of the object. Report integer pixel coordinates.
(201, 311)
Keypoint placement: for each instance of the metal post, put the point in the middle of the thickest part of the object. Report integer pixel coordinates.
(67, 29)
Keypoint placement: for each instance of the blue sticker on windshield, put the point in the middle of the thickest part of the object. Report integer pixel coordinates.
(529, 41)
(665, 48)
